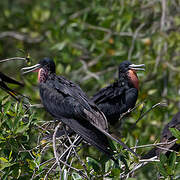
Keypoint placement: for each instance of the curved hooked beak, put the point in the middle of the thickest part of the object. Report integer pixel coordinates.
(137, 67)
(31, 69)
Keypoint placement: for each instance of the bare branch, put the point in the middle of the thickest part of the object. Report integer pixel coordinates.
(89, 73)
(13, 58)
(125, 34)
(20, 36)
(95, 60)
(54, 145)
(156, 145)
(154, 106)
(79, 13)
(163, 16)
(133, 40)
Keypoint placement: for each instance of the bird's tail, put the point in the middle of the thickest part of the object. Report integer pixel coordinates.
(92, 135)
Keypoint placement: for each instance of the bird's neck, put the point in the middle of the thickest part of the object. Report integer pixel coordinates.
(42, 75)
(133, 78)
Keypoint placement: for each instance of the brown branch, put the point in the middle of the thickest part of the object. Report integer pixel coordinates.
(134, 39)
(13, 58)
(20, 36)
(154, 106)
(54, 145)
(124, 34)
(163, 16)
(156, 145)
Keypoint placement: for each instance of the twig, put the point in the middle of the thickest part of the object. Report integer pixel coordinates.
(89, 73)
(54, 165)
(125, 34)
(45, 162)
(133, 40)
(148, 160)
(54, 144)
(20, 36)
(79, 13)
(157, 144)
(135, 151)
(163, 16)
(166, 149)
(65, 152)
(173, 68)
(138, 166)
(154, 106)
(106, 70)
(36, 105)
(14, 58)
(95, 60)
(83, 164)
(33, 177)
(50, 169)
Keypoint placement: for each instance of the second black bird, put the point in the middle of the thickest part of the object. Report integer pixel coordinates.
(119, 97)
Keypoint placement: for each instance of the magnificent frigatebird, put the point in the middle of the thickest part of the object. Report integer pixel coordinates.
(166, 137)
(119, 97)
(66, 101)
(5, 79)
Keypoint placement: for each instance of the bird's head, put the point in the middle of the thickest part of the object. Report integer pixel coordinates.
(129, 69)
(44, 67)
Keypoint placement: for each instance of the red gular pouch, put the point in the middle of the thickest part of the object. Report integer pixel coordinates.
(134, 78)
(42, 74)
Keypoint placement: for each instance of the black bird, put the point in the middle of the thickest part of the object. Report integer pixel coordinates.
(119, 97)
(166, 137)
(66, 101)
(5, 79)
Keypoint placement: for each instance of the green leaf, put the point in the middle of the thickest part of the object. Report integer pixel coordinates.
(10, 154)
(3, 159)
(92, 162)
(108, 165)
(175, 132)
(162, 170)
(5, 165)
(163, 159)
(76, 176)
(172, 160)
(22, 128)
(59, 46)
(162, 164)
(115, 172)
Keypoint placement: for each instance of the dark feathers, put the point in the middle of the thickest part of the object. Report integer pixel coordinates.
(116, 98)
(67, 102)
(5, 79)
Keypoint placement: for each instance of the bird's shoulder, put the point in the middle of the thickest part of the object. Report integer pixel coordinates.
(74, 95)
(111, 91)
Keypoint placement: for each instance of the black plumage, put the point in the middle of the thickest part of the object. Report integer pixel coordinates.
(166, 137)
(5, 79)
(119, 97)
(65, 101)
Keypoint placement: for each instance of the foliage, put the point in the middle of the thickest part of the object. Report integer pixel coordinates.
(88, 40)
